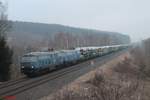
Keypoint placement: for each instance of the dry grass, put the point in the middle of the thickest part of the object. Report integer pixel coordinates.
(100, 88)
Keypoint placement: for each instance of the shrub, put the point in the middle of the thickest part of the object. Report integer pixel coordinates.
(141, 56)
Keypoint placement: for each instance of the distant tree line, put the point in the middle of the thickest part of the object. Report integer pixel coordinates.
(68, 41)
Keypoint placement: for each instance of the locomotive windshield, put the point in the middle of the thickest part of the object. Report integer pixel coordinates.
(29, 58)
(28, 64)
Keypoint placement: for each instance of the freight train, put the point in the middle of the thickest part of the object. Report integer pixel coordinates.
(35, 63)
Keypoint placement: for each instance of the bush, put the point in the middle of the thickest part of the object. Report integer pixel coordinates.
(127, 69)
(141, 56)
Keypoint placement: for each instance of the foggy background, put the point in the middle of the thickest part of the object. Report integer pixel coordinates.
(130, 17)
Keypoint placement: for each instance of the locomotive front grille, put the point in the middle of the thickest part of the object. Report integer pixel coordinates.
(27, 70)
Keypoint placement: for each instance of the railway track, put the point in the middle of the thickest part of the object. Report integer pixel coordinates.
(6, 84)
(24, 84)
(19, 86)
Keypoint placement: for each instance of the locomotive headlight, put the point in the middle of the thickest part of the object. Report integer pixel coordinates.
(32, 67)
(22, 66)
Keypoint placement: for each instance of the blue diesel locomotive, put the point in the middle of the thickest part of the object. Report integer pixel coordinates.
(37, 62)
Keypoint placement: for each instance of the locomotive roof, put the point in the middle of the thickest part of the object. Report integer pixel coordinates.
(68, 50)
(48, 53)
(39, 53)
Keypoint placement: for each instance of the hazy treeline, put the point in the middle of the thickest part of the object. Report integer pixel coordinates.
(37, 35)
(67, 41)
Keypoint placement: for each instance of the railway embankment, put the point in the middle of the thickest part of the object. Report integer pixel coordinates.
(119, 79)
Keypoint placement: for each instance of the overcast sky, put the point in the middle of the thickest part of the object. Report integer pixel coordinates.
(130, 17)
